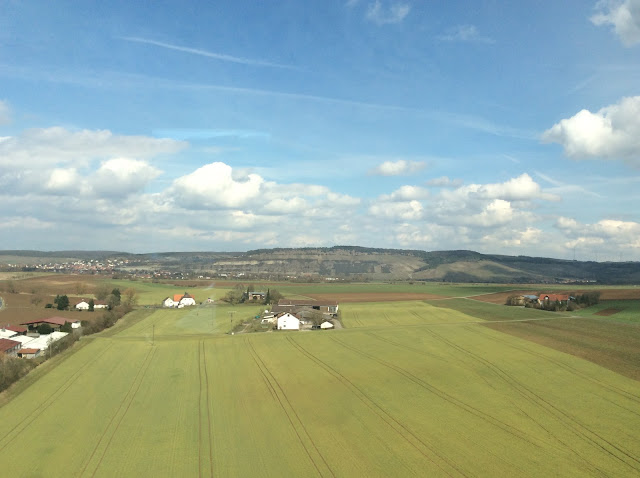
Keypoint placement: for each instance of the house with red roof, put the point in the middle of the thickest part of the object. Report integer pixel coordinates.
(179, 301)
(9, 347)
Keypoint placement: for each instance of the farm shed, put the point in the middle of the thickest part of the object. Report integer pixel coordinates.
(287, 321)
(29, 353)
(54, 322)
(17, 329)
(44, 341)
(23, 339)
(327, 307)
(10, 347)
(326, 325)
(6, 334)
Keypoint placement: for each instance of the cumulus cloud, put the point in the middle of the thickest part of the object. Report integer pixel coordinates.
(444, 182)
(381, 15)
(616, 234)
(623, 16)
(613, 132)
(53, 146)
(465, 33)
(406, 210)
(400, 167)
(213, 186)
(407, 193)
(122, 177)
(5, 113)
(63, 181)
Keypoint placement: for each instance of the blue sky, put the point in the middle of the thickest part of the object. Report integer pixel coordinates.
(501, 127)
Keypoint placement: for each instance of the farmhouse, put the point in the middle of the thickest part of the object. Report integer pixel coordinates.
(10, 347)
(255, 296)
(179, 301)
(83, 305)
(287, 321)
(553, 298)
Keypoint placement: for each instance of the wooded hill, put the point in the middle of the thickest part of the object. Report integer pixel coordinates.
(361, 263)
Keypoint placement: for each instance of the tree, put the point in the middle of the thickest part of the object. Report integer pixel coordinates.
(235, 295)
(274, 297)
(36, 299)
(102, 291)
(116, 293)
(62, 302)
(44, 329)
(130, 296)
(91, 305)
(317, 317)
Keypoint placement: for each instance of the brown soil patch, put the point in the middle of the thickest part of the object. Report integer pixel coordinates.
(608, 312)
(18, 308)
(373, 297)
(620, 294)
(614, 346)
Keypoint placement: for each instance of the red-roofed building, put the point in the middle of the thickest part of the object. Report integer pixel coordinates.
(554, 297)
(29, 353)
(10, 347)
(54, 322)
(17, 329)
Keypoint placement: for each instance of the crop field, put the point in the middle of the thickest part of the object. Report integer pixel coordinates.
(451, 387)
(616, 310)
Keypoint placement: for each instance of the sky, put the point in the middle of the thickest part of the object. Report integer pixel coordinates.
(494, 126)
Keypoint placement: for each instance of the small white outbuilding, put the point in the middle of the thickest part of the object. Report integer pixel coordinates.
(326, 325)
(287, 321)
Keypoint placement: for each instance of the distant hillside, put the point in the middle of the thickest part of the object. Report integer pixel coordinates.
(355, 263)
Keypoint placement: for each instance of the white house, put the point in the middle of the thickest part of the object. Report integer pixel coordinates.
(168, 302)
(83, 305)
(100, 305)
(185, 301)
(287, 321)
(326, 325)
(179, 301)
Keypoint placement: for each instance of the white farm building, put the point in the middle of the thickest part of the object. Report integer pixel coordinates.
(287, 321)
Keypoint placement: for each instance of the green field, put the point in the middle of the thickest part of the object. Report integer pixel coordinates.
(407, 389)
(628, 311)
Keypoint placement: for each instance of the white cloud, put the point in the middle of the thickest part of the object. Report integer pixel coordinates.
(407, 210)
(5, 113)
(63, 181)
(407, 193)
(57, 146)
(617, 235)
(213, 186)
(613, 132)
(380, 15)
(623, 16)
(444, 182)
(398, 168)
(465, 33)
(122, 176)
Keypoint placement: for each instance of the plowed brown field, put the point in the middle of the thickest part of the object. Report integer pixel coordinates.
(373, 297)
